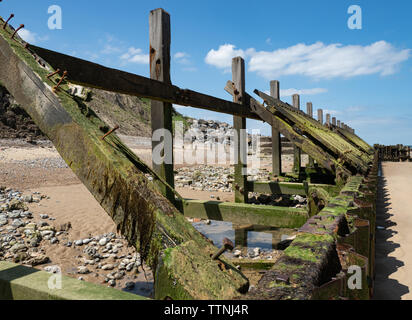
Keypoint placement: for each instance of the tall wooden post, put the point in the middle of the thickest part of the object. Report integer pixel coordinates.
(239, 125)
(320, 116)
(276, 140)
(296, 150)
(161, 112)
(309, 109)
(328, 119)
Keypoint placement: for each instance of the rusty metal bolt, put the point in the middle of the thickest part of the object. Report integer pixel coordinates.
(17, 30)
(55, 88)
(227, 245)
(111, 131)
(53, 73)
(7, 21)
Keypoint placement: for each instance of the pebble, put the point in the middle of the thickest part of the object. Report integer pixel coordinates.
(103, 241)
(52, 269)
(78, 242)
(44, 216)
(82, 270)
(108, 267)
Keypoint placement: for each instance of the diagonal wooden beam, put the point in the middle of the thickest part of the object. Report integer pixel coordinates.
(339, 147)
(324, 159)
(93, 75)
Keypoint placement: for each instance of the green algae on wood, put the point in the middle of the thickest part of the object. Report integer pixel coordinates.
(112, 173)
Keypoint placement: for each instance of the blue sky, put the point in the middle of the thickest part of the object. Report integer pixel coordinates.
(363, 77)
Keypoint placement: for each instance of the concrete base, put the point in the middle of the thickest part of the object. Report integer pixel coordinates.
(22, 283)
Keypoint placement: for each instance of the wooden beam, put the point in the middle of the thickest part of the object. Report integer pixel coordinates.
(240, 213)
(289, 188)
(239, 126)
(161, 112)
(355, 160)
(276, 140)
(322, 157)
(93, 75)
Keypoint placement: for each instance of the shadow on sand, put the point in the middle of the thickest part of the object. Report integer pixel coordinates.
(385, 288)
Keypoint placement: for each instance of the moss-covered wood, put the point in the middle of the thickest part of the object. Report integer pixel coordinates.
(115, 176)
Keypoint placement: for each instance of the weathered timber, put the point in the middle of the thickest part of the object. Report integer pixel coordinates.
(323, 158)
(354, 159)
(161, 112)
(93, 75)
(315, 265)
(355, 140)
(241, 213)
(116, 178)
(290, 188)
(239, 126)
(276, 141)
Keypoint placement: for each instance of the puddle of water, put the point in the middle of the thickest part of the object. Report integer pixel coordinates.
(263, 238)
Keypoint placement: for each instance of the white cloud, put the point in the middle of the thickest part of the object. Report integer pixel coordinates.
(222, 57)
(307, 92)
(31, 37)
(329, 61)
(134, 55)
(318, 60)
(180, 55)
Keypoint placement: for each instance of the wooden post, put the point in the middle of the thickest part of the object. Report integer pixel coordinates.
(334, 121)
(239, 125)
(320, 116)
(276, 140)
(161, 112)
(309, 109)
(328, 119)
(296, 151)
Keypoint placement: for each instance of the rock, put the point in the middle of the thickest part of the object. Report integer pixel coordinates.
(86, 241)
(52, 269)
(18, 247)
(108, 267)
(119, 275)
(112, 283)
(54, 240)
(18, 223)
(103, 241)
(80, 279)
(91, 252)
(37, 259)
(82, 270)
(17, 205)
(28, 198)
(3, 222)
(78, 242)
(129, 285)
(44, 216)
(237, 253)
(68, 244)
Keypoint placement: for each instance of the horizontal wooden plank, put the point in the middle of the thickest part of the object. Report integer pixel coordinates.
(240, 213)
(289, 188)
(93, 75)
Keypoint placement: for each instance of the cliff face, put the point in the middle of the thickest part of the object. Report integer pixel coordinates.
(132, 114)
(14, 121)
